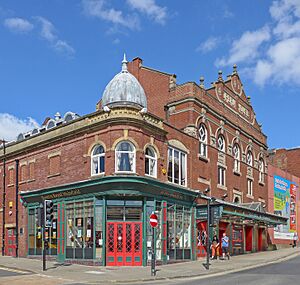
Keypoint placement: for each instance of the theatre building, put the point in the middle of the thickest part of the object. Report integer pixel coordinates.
(151, 145)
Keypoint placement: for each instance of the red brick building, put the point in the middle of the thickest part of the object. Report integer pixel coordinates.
(286, 159)
(151, 145)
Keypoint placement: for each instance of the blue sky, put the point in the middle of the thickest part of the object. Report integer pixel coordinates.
(59, 55)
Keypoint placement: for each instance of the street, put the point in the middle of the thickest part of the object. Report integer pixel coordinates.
(286, 272)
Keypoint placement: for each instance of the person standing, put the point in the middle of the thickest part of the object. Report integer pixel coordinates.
(295, 239)
(215, 246)
(225, 245)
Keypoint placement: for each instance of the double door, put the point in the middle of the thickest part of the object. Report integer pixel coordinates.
(124, 244)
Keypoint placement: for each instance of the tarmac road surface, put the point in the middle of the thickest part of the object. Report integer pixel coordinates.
(286, 272)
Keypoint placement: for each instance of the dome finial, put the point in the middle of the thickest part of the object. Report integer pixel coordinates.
(124, 63)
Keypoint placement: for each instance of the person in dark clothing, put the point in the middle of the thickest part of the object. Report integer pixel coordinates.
(215, 247)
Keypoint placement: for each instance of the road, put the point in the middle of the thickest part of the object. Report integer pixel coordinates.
(287, 273)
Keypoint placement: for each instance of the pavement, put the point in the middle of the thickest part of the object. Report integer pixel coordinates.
(29, 271)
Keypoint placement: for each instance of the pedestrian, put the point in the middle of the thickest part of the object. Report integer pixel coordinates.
(225, 245)
(215, 247)
(295, 239)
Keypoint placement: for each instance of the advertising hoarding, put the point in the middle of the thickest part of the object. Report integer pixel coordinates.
(285, 205)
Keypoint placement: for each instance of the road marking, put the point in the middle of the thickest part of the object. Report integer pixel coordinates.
(94, 272)
(15, 270)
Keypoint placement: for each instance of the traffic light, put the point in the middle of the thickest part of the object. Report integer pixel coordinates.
(48, 207)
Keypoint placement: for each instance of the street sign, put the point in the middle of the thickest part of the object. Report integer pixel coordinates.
(153, 220)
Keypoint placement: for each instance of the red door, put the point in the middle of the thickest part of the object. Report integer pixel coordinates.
(260, 239)
(248, 231)
(201, 239)
(10, 242)
(124, 244)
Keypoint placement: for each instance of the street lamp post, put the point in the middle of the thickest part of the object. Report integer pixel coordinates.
(206, 191)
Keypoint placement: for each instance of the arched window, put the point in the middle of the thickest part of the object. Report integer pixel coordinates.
(261, 171)
(249, 158)
(125, 157)
(202, 140)
(237, 157)
(150, 162)
(177, 170)
(98, 160)
(221, 143)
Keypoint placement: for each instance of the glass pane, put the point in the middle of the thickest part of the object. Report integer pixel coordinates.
(102, 164)
(98, 150)
(95, 167)
(147, 168)
(183, 169)
(170, 163)
(115, 213)
(176, 166)
(98, 231)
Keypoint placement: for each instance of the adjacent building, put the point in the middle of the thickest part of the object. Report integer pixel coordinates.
(151, 145)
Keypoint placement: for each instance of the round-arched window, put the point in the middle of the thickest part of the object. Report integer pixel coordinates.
(150, 162)
(98, 160)
(125, 157)
(249, 158)
(237, 157)
(261, 170)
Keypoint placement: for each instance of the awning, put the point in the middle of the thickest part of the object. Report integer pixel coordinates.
(240, 213)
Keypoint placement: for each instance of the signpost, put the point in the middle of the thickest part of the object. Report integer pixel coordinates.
(153, 223)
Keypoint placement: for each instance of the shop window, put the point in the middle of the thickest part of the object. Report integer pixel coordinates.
(177, 170)
(250, 187)
(221, 176)
(203, 140)
(35, 234)
(150, 162)
(31, 171)
(221, 143)
(178, 232)
(80, 230)
(54, 165)
(98, 160)
(125, 157)
(261, 171)
(99, 228)
(237, 157)
(249, 158)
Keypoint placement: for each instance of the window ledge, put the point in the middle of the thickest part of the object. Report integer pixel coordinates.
(30, 180)
(97, 175)
(261, 183)
(177, 184)
(10, 185)
(53, 175)
(222, 187)
(151, 176)
(125, 172)
(203, 158)
(249, 196)
(22, 182)
(238, 173)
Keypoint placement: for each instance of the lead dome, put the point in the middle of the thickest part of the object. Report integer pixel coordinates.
(124, 89)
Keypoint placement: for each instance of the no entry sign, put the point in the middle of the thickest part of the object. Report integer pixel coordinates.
(153, 220)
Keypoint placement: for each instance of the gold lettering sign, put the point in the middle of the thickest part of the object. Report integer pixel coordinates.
(62, 194)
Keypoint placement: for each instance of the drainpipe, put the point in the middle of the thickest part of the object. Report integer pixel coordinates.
(17, 207)
(3, 199)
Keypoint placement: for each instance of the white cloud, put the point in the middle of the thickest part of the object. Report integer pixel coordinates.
(11, 126)
(279, 61)
(48, 32)
(47, 29)
(246, 48)
(64, 47)
(18, 25)
(210, 44)
(98, 9)
(150, 8)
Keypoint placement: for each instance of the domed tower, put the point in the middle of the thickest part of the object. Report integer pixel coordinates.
(124, 90)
